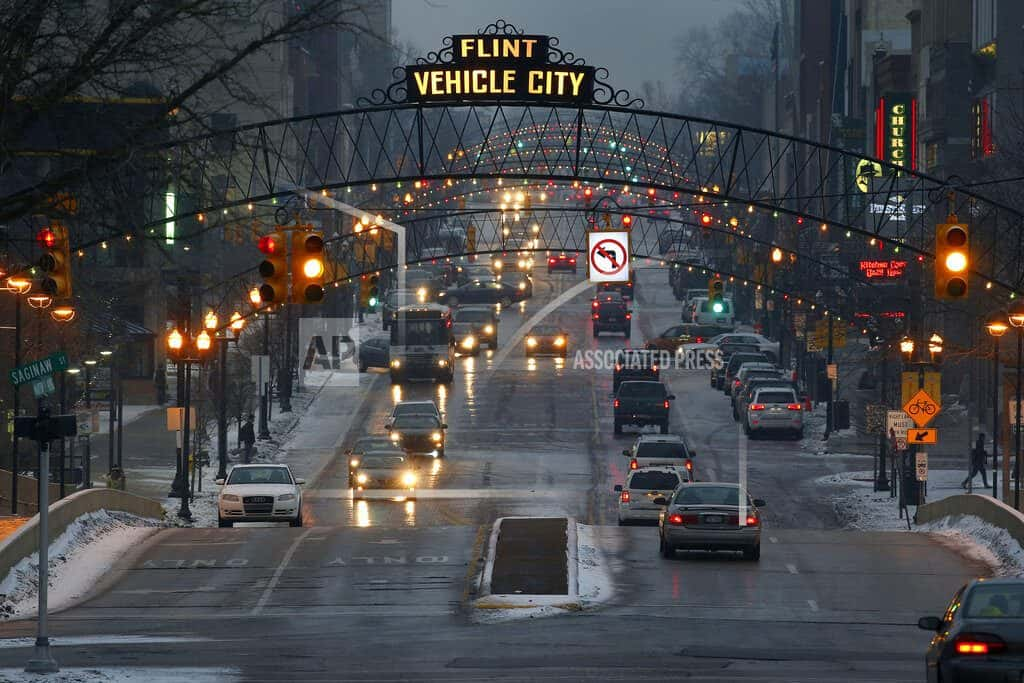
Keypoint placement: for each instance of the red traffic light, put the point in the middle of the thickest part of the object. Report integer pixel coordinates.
(46, 238)
(705, 219)
(267, 244)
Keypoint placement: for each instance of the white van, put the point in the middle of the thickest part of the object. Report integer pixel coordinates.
(704, 313)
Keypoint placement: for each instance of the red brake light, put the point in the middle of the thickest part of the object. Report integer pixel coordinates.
(666, 405)
(700, 340)
(633, 464)
(624, 497)
(757, 406)
(978, 644)
(616, 403)
(752, 520)
(795, 406)
(596, 316)
(594, 303)
(689, 465)
(675, 519)
(551, 261)
(629, 316)
(572, 261)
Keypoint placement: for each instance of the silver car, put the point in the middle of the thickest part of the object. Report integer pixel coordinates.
(774, 409)
(642, 487)
(708, 516)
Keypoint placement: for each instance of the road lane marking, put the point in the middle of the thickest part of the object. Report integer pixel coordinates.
(792, 569)
(813, 604)
(773, 539)
(201, 544)
(280, 570)
(385, 541)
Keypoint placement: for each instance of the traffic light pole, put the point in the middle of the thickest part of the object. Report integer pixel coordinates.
(42, 661)
(829, 407)
(222, 410)
(264, 387)
(17, 396)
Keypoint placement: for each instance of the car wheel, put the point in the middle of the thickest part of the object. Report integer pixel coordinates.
(735, 415)
(746, 429)
(664, 427)
(362, 367)
(618, 427)
(440, 452)
(800, 434)
(753, 554)
(493, 345)
(667, 550)
(224, 524)
(622, 522)
(297, 522)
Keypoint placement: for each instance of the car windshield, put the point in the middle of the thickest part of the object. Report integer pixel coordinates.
(260, 475)
(545, 331)
(660, 449)
(995, 601)
(642, 390)
(654, 481)
(708, 495)
(707, 307)
(416, 422)
(382, 462)
(414, 409)
(775, 397)
(366, 443)
(739, 359)
(760, 374)
(469, 316)
(634, 360)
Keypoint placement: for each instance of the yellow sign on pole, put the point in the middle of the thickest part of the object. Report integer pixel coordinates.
(911, 382)
(927, 435)
(921, 408)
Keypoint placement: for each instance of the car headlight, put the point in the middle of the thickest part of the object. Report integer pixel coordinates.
(489, 329)
(522, 286)
(408, 479)
(436, 436)
(362, 478)
(443, 363)
(560, 341)
(531, 342)
(498, 265)
(395, 436)
(521, 263)
(421, 294)
(230, 497)
(396, 363)
(285, 497)
(354, 462)
(469, 342)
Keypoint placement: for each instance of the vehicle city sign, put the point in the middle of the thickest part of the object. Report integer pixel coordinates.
(608, 256)
(921, 408)
(499, 67)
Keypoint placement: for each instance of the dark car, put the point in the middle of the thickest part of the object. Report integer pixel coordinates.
(625, 289)
(734, 363)
(746, 392)
(521, 281)
(611, 315)
(475, 326)
(419, 434)
(548, 340)
(635, 365)
(562, 262)
(473, 271)
(718, 373)
(980, 637)
(364, 445)
(641, 404)
(375, 352)
(480, 292)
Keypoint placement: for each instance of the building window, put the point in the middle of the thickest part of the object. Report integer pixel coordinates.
(981, 129)
(983, 26)
(931, 156)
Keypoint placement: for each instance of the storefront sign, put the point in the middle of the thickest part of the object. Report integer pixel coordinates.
(889, 270)
(896, 130)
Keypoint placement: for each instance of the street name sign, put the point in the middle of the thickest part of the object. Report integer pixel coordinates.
(37, 369)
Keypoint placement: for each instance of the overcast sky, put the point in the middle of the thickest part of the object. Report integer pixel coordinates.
(633, 39)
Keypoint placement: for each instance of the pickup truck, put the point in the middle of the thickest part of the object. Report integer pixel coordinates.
(642, 403)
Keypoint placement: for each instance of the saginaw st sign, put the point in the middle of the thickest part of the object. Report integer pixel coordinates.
(487, 67)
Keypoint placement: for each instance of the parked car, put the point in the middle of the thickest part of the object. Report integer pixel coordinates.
(727, 350)
(641, 404)
(733, 365)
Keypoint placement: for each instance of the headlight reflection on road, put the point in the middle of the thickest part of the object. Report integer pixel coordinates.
(396, 392)
(531, 364)
(559, 363)
(410, 512)
(362, 513)
(442, 398)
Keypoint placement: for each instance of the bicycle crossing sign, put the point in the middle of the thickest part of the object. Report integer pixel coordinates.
(921, 408)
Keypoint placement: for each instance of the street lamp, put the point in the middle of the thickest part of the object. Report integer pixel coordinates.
(179, 349)
(237, 322)
(907, 348)
(776, 255)
(1016, 316)
(996, 328)
(935, 347)
(254, 297)
(63, 314)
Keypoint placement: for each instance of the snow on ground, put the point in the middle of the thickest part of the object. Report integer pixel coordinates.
(79, 557)
(594, 581)
(860, 507)
(123, 675)
(131, 414)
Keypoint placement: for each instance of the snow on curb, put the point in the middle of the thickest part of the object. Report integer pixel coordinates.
(125, 675)
(978, 540)
(79, 557)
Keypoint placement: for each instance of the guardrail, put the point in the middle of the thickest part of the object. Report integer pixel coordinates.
(993, 511)
(25, 540)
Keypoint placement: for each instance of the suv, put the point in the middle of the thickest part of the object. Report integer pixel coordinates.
(625, 289)
(636, 496)
(634, 365)
(774, 409)
(735, 361)
(650, 450)
(610, 314)
(474, 326)
(718, 373)
(746, 369)
(640, 404)
(751, 385)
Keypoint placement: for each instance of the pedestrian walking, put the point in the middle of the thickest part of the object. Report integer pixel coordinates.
(247, 435)
(978, 456)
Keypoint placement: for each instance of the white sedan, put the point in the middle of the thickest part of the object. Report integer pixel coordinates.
(260, 493)
(764, 344)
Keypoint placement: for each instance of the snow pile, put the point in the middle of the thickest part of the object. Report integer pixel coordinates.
(124, 675)
(978, 540)
(79, 557)
(593, 578)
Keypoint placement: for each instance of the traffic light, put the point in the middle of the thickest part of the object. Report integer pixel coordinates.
(55, 261)
(952, 260)
(273, 268)
(627, 221)
(308, 267)
(716, 292)
(369, 294)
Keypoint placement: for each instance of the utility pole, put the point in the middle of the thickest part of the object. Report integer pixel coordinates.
(17, 395)
(829, 408)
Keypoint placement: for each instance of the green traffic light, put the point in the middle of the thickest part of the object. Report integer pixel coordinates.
(372, 302)
(718, 307)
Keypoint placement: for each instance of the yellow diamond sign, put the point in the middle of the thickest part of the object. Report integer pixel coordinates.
(921, 408)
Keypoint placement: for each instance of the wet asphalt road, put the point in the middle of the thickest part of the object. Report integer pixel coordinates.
(380, 589)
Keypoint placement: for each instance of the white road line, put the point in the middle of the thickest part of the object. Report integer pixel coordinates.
(813, 604)
(201, 544)
(773, 539)
(792, 569)
(265, 597)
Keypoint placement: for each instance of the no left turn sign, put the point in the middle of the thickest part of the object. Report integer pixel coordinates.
(608, 256)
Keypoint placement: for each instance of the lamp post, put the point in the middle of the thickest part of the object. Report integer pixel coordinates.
(87, 466)
(229, 334)
(187, 351)
(996, 328)
(1016, 316)
(112, 408)
(262, 390)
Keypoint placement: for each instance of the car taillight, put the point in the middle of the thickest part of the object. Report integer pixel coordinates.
(757, 406)
(624, 497)
(551, 261)
(689, 465)
(633, 464)
(618, 368)
(596, 316)
(594, 304)
(629, 316)
(978, 644)
(666, 405)
(615, 404)
(700, 340)
(654, 368)
(752, 520)
(675, 519)
(735, 382)
(795, 406)
(572, 262)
